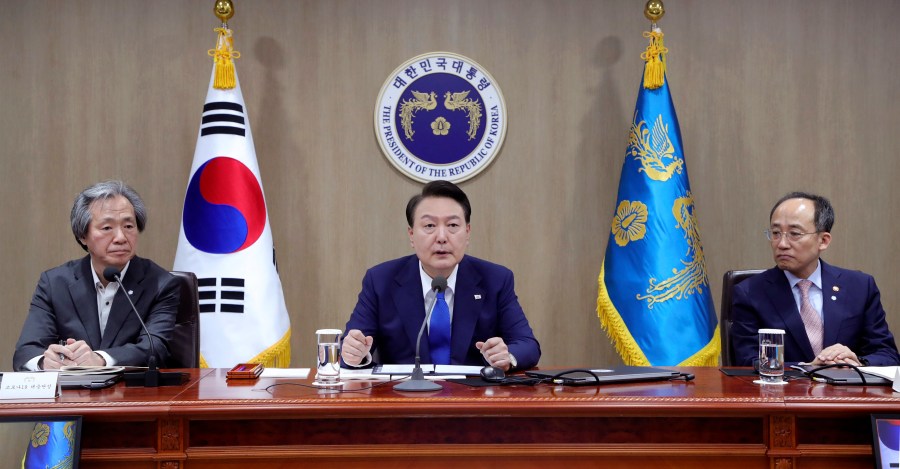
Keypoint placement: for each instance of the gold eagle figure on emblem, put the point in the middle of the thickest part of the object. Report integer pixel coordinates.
(409, 108)
(454, 101)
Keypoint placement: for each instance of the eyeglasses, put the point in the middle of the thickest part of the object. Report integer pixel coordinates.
(792, 236)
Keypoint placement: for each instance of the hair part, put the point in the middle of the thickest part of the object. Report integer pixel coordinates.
(439, 189)
(81, 209)
(824, 212)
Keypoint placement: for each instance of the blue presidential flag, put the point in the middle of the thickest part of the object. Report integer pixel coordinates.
(52, 445)
(654, 299)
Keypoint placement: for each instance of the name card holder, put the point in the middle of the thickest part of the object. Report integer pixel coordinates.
(29, 385)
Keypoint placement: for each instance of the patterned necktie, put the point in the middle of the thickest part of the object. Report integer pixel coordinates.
(811, 319)
(439, 331)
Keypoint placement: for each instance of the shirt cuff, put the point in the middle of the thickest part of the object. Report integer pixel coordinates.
(32, 365)
(109, 360)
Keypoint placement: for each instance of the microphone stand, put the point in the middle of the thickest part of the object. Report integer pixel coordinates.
(151, 378)
(417, 381)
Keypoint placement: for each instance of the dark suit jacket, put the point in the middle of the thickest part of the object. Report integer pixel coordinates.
(851, 307)
(391, 309)
(65, 305)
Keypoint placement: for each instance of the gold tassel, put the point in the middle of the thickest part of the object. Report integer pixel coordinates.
(655, 56)
(223, 57)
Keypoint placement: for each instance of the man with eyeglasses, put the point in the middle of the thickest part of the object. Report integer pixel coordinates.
(829, 314)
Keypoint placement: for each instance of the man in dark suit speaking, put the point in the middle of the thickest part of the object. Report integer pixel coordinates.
(76, 316)
(476, 321)
(829, 314)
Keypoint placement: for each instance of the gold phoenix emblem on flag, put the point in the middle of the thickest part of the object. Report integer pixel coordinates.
(693, 276)
(654, 149)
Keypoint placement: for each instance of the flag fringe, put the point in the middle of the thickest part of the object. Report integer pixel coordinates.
(708, 355)
(223, 58)
(615, 327)
(278, 355)
(655, 56)
(628, 349)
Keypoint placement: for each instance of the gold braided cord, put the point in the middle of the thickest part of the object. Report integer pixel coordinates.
(223, 59)
(655, 56)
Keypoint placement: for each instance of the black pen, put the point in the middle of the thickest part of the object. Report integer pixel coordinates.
(62, 356)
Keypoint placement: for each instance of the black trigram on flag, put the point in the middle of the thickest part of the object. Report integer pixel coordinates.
(223, 118)
(221, 295)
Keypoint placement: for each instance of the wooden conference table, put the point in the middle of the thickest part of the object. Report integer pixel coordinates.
(715, 420)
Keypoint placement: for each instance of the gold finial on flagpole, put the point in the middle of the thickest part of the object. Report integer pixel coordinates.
(654, 10)
(224, 10)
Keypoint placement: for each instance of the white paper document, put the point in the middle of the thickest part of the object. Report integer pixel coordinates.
(297, 373)
(428, 370)
(887, 372)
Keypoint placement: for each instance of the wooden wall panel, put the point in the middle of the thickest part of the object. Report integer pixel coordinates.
(772, 96)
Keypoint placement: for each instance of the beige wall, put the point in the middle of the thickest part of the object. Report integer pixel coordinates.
(772, 96)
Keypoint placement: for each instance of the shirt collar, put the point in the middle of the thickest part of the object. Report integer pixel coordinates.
(815, 277)
(426, 279)
(97, 281)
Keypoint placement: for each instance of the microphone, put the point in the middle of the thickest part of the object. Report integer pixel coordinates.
(152, 377)
(417, 381)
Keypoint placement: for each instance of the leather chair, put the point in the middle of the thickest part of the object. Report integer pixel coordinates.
(184, 349)
(729, 280)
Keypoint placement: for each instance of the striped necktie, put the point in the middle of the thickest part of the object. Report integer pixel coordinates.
(439, 331)
(811, 318)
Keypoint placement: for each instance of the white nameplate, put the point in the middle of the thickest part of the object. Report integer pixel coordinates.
(896, 386)
(29, 385)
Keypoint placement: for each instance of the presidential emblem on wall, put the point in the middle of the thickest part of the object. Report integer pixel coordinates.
(440, 116)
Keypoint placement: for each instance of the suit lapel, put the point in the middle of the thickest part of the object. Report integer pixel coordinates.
(411, 305)
(121, 309)
(832, 310)
(783, 301)
(84, 298)
(466, 310)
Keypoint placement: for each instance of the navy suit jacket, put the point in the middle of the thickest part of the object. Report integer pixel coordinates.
(851, 306)
(64, 305)
(391, 309)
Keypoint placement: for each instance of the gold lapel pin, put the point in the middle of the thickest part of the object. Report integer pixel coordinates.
(836, 288)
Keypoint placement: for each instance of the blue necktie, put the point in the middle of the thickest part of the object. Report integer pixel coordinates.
(439, 331)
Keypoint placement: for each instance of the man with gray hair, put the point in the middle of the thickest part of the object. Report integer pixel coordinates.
(76, 317)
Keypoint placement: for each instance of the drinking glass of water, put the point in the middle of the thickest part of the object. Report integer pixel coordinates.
(328, 362)
(771, 355)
